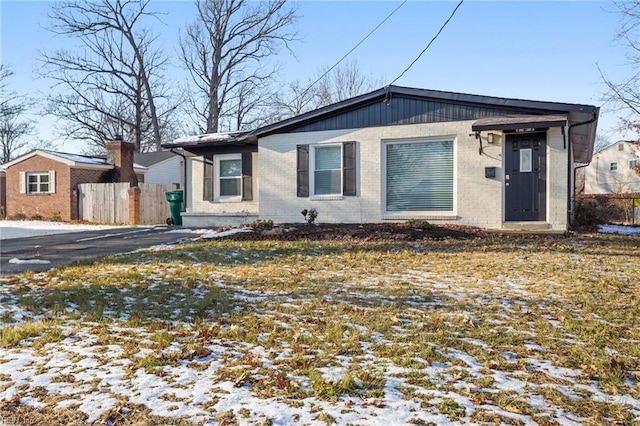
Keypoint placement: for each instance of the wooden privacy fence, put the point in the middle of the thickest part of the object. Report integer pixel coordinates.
(118, 203)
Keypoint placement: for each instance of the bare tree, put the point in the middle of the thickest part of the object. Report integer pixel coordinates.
(225, 50)
(13, 126)
(344, 82)
(330, 86)
(114, 84)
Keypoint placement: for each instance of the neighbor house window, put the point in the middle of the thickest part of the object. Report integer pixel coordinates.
(37, 182)
(634, 164)
(326, 170)
(229, 176)
(419, 176)
(620, 147)
(613, 166)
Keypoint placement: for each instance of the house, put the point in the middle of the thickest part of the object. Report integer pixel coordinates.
(3, 193)
(162, 167)
(44, 183)
(613, 170)
(394, 154)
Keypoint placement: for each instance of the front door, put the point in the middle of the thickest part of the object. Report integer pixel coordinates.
(525, 177)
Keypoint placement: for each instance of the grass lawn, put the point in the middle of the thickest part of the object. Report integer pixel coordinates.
(496, 330)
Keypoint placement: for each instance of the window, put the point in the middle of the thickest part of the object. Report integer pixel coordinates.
(419, 176)
(37, 182)
(634, 164)
(620, 147)
(613, 167)
(326, 170)
(229, 176)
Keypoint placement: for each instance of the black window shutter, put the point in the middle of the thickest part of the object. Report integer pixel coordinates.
(303, 170)
(247, 176)
(349, 168)
(207, 182)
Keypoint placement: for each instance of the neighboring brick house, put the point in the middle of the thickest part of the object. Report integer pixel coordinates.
(394, 154)
(614, 170)
(3, 193)
(44, 183)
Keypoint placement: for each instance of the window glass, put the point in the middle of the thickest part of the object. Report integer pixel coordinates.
(613, 167)
(37, 183)
(328, 170)
(419, 176)
(230, 177)
(230, 168)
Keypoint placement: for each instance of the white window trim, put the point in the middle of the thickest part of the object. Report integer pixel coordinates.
(394, 215)
(226, 198)
(611, 166)
(312, 172)
(51, 184)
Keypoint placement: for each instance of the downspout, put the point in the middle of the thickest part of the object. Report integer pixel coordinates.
(184, 173)
(570, 170)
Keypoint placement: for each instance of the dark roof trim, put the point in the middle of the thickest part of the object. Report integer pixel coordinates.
(523, 122)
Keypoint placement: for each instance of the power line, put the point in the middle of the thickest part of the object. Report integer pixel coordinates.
(430, 43)
(353, 48)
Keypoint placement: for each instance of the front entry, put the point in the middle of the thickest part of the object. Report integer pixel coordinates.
(525, 177)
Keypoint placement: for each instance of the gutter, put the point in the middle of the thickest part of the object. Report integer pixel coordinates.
(571, 172)
(184, 172)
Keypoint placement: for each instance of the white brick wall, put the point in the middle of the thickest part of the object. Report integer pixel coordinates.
(199, 209)
(478, 200)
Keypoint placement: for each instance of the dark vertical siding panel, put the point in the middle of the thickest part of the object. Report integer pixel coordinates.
(404, 111)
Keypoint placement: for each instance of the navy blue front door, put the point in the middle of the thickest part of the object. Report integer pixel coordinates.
(525, 177)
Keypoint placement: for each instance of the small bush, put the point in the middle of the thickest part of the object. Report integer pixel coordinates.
(310, 215)
(591, 211)
(587, 215)
(418, 224)
(262, 225)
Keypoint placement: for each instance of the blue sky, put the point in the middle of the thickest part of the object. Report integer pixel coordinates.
(530, 50)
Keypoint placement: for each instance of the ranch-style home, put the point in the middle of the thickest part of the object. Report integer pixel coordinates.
(394, 154)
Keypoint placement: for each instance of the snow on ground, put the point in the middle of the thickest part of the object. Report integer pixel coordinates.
(198, 371)
(619, 229)
(10, 229)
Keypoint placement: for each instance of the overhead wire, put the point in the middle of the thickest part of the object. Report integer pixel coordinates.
(353, 48)
(429, 44)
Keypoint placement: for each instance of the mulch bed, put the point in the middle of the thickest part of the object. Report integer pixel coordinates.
(367, 232)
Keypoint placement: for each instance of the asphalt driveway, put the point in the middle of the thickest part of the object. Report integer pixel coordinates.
(48, 251)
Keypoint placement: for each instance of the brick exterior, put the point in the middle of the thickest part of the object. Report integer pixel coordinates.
(45, 205)
(3, 195)
(121, 155)
(64, 202)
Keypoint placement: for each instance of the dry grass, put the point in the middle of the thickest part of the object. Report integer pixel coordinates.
(493, 330)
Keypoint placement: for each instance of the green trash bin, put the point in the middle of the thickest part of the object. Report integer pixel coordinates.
(175, 199)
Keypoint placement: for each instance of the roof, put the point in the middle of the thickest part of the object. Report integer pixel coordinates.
(210, 139)
(518, 122)
(582, 119)
(72, 160)
(148, 159)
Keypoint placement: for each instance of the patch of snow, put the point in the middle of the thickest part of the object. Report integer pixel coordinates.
(11, 229)
(619, 229)
(29, 261)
